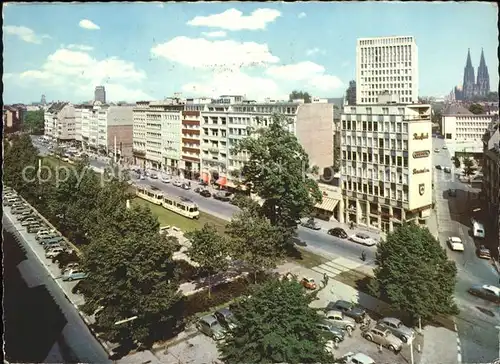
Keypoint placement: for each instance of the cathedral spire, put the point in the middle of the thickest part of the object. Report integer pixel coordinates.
(482, 62)
(469, 62)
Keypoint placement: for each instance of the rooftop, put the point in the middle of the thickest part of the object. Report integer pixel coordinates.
(56, 107)
(455, 109)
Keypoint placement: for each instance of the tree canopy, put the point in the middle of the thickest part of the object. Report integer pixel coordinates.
(209, 249)
(131, 273)
(34, 122)
(277, 170)
(20, 163)
(469, 167)
(300, 95)
(254, 240)
(476, 109)
(414, 274)
(275, 325)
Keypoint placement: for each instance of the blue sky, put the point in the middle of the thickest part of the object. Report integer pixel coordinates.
(151, 50)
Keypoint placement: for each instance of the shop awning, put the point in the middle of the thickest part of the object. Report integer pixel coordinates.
(222, 181)
(205, 177)
(328, 204)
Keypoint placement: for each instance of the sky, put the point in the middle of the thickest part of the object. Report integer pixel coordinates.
(146, 51)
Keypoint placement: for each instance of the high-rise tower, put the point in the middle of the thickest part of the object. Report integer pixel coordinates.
(483, 78)
(100, 94)
(469, 83)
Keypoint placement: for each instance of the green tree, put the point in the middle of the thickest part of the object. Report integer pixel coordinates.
(469, 167)
(254, 240)
(210, 250)
(20, 164)
(277, 171)
(414, 274)
(456, 162)
(275, 325)
(131, 274)
(476, 109)
(300, 95)
(34, 122)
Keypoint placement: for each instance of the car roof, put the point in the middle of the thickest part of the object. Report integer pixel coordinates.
(455, 239)
(363, 358)
(391, 320)
(343, 303)
(362, 235)
(380, 328)
(492, 288)
(334, 312)
(209, 319)
(224, 311)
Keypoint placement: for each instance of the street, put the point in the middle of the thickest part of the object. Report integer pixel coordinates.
(478, 318)
(74, 342)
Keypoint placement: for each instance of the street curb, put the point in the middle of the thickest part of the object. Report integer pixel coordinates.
(459, 346)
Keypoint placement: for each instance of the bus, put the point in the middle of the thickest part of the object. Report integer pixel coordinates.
(179, 205)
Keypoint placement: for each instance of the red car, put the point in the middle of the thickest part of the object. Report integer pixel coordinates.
(308, 283)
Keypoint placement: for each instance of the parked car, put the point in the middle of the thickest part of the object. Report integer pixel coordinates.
(177, 183)
(20, 210)
(224, 316)
(70, 266)
(24, 215)
(198, 189)
(330, 332)
(339, 320)
(436, 150)
(153, 176)
(142, 177)
(402, 332)
(455, 244)
(310, 224)
(438, 166)
(445, 147)
(186, 186)
(349, 309)
(223, 196)
(447, 170)
(54, 252)
(308, 283)
(34, 228)
(211, 327)
(364, 239)
(205, 193)
(452, 192)
(49, 241)
(45, 234)
(338, 232)
(52, 244)
(483, 252)
(73, 275)
(29, 221)
(165, 180)
(486, 292)
(358, 358)
(384, 337)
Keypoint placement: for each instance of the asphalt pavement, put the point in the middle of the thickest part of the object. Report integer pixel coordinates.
(79, 343)
(476, 324)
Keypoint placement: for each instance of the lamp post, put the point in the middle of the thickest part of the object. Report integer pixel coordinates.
(125, 320)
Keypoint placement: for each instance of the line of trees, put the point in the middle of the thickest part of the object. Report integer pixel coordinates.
(34, 122)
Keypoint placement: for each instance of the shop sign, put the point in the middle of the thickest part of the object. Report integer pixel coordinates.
(421, 154)
(420, 171)
(422, 136)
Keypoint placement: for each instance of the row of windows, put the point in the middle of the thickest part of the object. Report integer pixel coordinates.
(386, 78)
(385, 72)
(385, 65)
(372, 143)
(386, 41)
(395, 161)
(375, 100)
(376, 93)
(376, 191)
(382, 176)
(387, 127)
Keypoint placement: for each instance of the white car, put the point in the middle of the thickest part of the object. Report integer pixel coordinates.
(436, 150)
(177, 183)
(455, 244)
(445, 147)
(165, 180)
(364, 239)
(54, 252)
(358, 358)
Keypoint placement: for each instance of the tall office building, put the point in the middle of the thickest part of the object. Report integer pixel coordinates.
(100, 94)
(43, 101)
(386, 64)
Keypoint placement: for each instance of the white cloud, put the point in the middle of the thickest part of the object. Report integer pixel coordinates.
(87, 24)
(310, 72)
(325, 83)
(235, 82)
(216, 34)
(233, 19)
(79, 72)
(224, 54)
(160, 5)
(296, 72)
(301, 15)
(24, 33)
(313, 51)
(80, 47)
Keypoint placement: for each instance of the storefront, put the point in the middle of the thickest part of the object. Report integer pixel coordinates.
(327, 208)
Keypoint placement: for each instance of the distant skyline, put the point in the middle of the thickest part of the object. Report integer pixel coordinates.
(142, 51)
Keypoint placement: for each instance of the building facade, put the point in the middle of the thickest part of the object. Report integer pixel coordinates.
(83, 114)
(386, 64)
(100, 94)
(60, 121)
(386, 164)
(12, 118)
(491, 179)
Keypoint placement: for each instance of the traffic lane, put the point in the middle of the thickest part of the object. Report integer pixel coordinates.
(479, 344)
(77, 335)
(316, 239)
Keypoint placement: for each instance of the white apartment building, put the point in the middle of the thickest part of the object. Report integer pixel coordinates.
(386, 164)
(386, 64)
(59, 121)
(463, 130)
(157, 134)
(83, 114)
